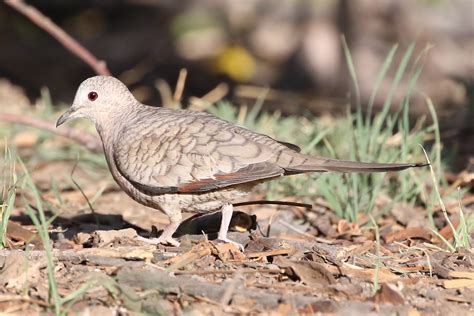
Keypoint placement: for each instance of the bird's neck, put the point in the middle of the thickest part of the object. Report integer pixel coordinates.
(110, 123)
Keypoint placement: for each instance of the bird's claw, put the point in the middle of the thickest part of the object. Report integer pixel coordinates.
(157, 241)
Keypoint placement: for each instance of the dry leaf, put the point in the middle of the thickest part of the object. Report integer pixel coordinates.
(17, 272)
(102, 237)
(228, 252)
(387, 294)
(311, 273)
(16, 232)
(323, 307)
(344, 227)
(365, 274)
(408, 233)
(413, 312)
(447, 231)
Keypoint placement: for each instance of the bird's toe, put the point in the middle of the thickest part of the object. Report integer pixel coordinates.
(171, 241)
(157, 241)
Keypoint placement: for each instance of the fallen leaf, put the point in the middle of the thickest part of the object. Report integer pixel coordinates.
(323, 225)
(447, 231)
(284, 309)
(325, 307)
(408, 233)
(17, 272)
(387, 294)
(344, 227)
(408, 215)
(17, 232)
(365, 274)
(228, 252)
(413, 312)
(311, 273)
(103, 237)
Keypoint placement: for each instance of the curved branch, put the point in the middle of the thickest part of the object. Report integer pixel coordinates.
(65, 39)
(90, 141)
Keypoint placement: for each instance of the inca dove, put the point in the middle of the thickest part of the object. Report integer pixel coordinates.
(177, 160)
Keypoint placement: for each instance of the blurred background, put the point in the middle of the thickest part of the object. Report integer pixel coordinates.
(293, 47)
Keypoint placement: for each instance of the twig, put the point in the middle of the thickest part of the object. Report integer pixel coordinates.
(59, 34)
(296, 230)
(206, 272)
(466, 201)
(212, 97)
(90, 141)
(276, 252)
(178, 92)
(8, 298)
(287, 203)
(165, 93)
(83, 194)
(198, 251)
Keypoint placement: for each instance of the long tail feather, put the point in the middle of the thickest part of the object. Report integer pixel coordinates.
(318, 164)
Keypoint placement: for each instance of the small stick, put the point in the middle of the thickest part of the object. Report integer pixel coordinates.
(299, 231)
(90, 141)
(178, 92)
(198, 251)
(206, 272)
(83, 194)
(8, 298)
(287, 203)
(59, 34)
(276, 252)
(165, 93)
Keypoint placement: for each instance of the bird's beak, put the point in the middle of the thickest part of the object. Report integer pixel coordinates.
(66, 116)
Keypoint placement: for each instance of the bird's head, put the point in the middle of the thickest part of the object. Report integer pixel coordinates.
(98, 98)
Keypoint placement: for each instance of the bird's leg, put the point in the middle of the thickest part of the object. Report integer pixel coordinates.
(166, 236)
(227, 211)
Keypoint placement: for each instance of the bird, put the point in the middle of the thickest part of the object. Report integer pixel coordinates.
(175, 160)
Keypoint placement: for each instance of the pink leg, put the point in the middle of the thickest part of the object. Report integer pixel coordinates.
(227, 211)
(166, 236)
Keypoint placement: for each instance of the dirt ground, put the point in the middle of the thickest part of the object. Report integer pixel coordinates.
(296, 261)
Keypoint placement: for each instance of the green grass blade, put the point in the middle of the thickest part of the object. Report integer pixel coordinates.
(378, 81)
(437, 144)
(388, 101)
(42, 227)
(379, 261)
(352, 72)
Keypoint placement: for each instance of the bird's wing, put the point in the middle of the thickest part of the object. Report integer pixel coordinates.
(191, 154)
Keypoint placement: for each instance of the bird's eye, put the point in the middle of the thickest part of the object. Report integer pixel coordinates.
(92, 95)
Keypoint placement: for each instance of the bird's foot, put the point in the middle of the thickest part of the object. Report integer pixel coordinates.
(227, 240)
(156, 241)
(165, 237)
(227, 210)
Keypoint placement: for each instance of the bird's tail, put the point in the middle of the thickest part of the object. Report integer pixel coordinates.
(324, 164)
